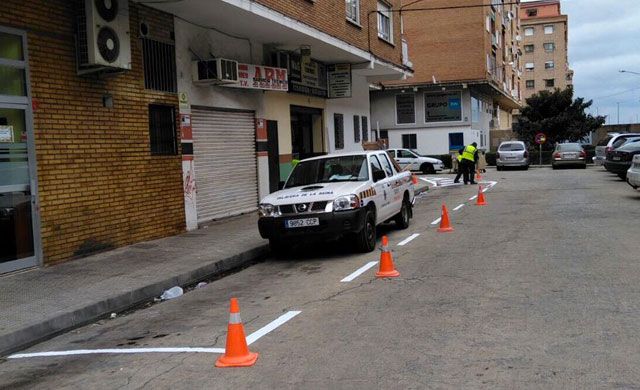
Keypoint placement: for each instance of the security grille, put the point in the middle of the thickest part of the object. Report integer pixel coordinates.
(159, 65)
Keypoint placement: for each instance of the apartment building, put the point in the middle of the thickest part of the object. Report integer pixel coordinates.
(545, 37)
(466, 82)
(301, 89)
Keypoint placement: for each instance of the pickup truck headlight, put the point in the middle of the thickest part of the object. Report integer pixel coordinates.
(348, 202)
(268, 210)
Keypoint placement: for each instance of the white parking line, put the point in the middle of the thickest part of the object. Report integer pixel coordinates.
(252, 338)
(408, 239)
(473, 197)
(437, 221)
(359, 271)
(459, 207)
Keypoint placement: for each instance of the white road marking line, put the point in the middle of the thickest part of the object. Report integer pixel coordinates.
(429, 181)
(473, 197)
(359, 271)
(116, 350)
(459, 207)
(437, 221)
(485, 189)
(408, 239)
(253, 337)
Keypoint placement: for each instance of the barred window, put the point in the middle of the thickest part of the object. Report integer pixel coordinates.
(162, 130)
(338, 130)
(159, 60)
(356, 129)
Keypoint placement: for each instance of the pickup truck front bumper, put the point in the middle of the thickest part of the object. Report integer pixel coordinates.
(332, 225)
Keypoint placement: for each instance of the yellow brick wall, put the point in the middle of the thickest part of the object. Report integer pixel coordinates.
(99, 185)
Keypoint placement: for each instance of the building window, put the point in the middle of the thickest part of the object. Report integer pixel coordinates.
(409, 141)
(528, 48)
(384, 134)
(529, 66)
(353, 11)
(443, 107)
(549, 47)
(528, 31)
(549, 65)
(338, 130)
(385, 24)
(550, 83)
(548, 29)
(365, 128)
(532, 12)
(405, 109)
(475, 110)
(162, 130)
(356, 129)
(530, 84)
(159, 62)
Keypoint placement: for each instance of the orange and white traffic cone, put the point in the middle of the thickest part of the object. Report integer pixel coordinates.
(445, 224)
(414, 179)
(236, 352)
(480, 201)
(387, 269)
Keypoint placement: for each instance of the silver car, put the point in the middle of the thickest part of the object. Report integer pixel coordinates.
(512, 154)
(569, 154)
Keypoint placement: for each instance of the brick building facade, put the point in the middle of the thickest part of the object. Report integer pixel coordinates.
(98, 185)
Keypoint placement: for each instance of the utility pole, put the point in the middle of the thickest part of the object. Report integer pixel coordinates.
(618, 103)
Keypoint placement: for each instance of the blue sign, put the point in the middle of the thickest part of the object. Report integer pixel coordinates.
(454, 104)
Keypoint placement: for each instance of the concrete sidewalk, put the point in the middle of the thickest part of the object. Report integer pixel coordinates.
(40, 303)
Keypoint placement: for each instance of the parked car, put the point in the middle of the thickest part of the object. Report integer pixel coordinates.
(619, 161)
(512, 154)
(633, 174)
(607, 145)
(337, 195)
(412, 160)
(569, 154)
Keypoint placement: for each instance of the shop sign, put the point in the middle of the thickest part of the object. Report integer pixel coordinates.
(444, 107)
(307, 76)
(339, 80)
(6, 133)
(261, 77)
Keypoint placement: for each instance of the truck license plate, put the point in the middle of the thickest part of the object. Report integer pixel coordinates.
(296, 223)
(616, 158)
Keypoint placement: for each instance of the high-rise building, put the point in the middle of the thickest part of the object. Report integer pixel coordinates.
(544, 46)
(466, 83)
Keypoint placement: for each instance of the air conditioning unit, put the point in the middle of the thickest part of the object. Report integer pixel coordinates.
(518, 38)
(217, 71)
(103, 39)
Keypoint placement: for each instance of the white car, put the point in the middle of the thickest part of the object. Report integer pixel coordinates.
(411, 160)
(337, 195)
(633, 174)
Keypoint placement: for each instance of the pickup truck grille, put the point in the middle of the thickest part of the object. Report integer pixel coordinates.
(302, 208)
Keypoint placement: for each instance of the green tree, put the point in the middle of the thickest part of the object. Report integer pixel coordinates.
(558, 116)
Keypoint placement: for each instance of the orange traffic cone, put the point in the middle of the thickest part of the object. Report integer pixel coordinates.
(414, 179)
(236, 353)
(480, 201)
(387, 269)
(445, 225)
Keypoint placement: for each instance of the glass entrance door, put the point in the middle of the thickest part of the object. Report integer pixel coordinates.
(17, 177)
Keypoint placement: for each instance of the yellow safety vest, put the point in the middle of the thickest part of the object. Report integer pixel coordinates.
(459, 157)
(469, 153)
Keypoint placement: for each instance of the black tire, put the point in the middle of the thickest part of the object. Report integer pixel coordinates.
(526, 167)
(366, 238)
(623, 176)
(554, 167)
(277, 247)
(498, 168)
(404, 216)
(427, 168)
(584, 166)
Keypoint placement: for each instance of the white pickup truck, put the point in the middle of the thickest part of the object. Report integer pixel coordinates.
(337, 195)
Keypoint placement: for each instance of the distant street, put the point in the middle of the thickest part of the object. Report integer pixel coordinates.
(539, 289)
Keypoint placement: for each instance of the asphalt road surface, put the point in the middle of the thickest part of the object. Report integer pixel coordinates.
(539, 289)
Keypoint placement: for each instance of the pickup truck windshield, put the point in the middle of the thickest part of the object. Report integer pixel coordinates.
(328, 170)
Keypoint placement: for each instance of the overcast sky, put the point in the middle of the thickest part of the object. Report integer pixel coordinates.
(604, 37)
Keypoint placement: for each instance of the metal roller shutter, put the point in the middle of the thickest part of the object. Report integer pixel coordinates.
(225, 163)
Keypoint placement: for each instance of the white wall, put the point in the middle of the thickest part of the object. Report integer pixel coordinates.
(433, 141)
(358, 104)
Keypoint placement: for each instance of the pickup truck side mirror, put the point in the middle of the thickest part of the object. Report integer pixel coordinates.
(378, 175)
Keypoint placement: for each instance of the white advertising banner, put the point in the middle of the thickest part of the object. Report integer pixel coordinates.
(261, 77)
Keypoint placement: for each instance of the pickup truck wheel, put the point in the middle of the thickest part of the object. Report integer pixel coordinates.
(402, 218)
(366, 238)
(427, 168)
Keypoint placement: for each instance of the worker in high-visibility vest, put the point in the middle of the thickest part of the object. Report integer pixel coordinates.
(469, 158)
(460, 166)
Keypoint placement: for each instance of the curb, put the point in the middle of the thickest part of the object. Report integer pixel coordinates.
(64, 322)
